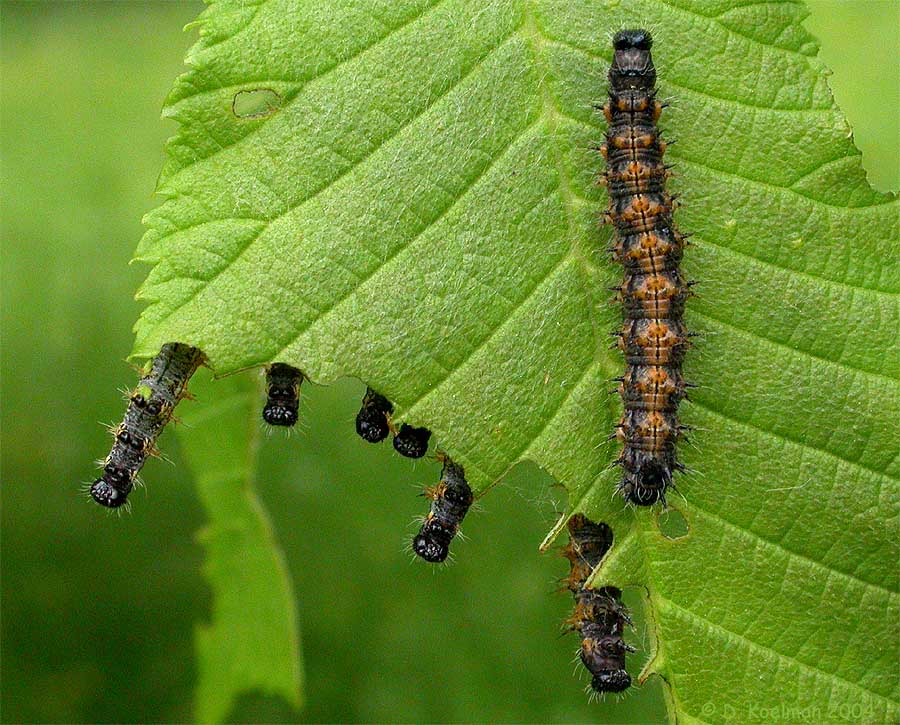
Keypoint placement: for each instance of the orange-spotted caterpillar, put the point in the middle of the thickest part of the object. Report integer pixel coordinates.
(653, 291)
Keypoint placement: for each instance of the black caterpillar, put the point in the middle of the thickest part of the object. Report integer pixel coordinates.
(450, 501)
(372, 420)
(373, 424)
(150, 407)
(599, 616)
(412, 442)
(282, 394)
(653, 291)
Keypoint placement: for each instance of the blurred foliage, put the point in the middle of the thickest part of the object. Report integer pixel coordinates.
(99, 610)
(251, 641)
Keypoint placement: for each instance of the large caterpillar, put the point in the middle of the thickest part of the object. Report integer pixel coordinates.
(150, 407)
(599, 616)
(653, 291)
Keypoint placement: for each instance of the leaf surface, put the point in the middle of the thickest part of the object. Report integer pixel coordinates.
(417, 209)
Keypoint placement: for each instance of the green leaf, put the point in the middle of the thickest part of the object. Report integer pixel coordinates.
(415, 207)
(252, 641)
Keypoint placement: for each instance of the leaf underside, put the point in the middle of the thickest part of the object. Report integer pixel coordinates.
(415, 206)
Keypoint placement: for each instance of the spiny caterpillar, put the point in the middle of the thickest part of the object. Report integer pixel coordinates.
(450, 501)
(373, 424)
(653, 291)
(372, 420)
(150, 407)
(599, 616)
(282, 394)
(412, 442)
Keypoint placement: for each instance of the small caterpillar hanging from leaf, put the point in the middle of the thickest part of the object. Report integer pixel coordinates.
(150, 407)
(372, 419)
(653, 291)
(373, 424)
(599, 616)
(412, 442)
(450, 501)
(282, 394)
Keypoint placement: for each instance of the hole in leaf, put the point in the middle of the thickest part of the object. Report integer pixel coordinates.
(255, 103)
(672, 524)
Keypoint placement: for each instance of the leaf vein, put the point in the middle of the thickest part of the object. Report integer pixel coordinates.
(538, 286)
(781, 188)
(316, 192)
(798, 272)
(324, 72)
(727, 634)
(877, 377)
(469, 185)
(751, 180)
(803, 444)
(731, 31)
(722, 100)
(748, 533)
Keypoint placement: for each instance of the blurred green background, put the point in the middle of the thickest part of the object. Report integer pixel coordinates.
(98, 611)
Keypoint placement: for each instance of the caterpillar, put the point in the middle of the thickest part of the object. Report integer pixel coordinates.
(373, 424)
(150, 407)
(653, 292)
(372, 420)
(450, 501)
(282, 394)
(599, 616)
(412, 442)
